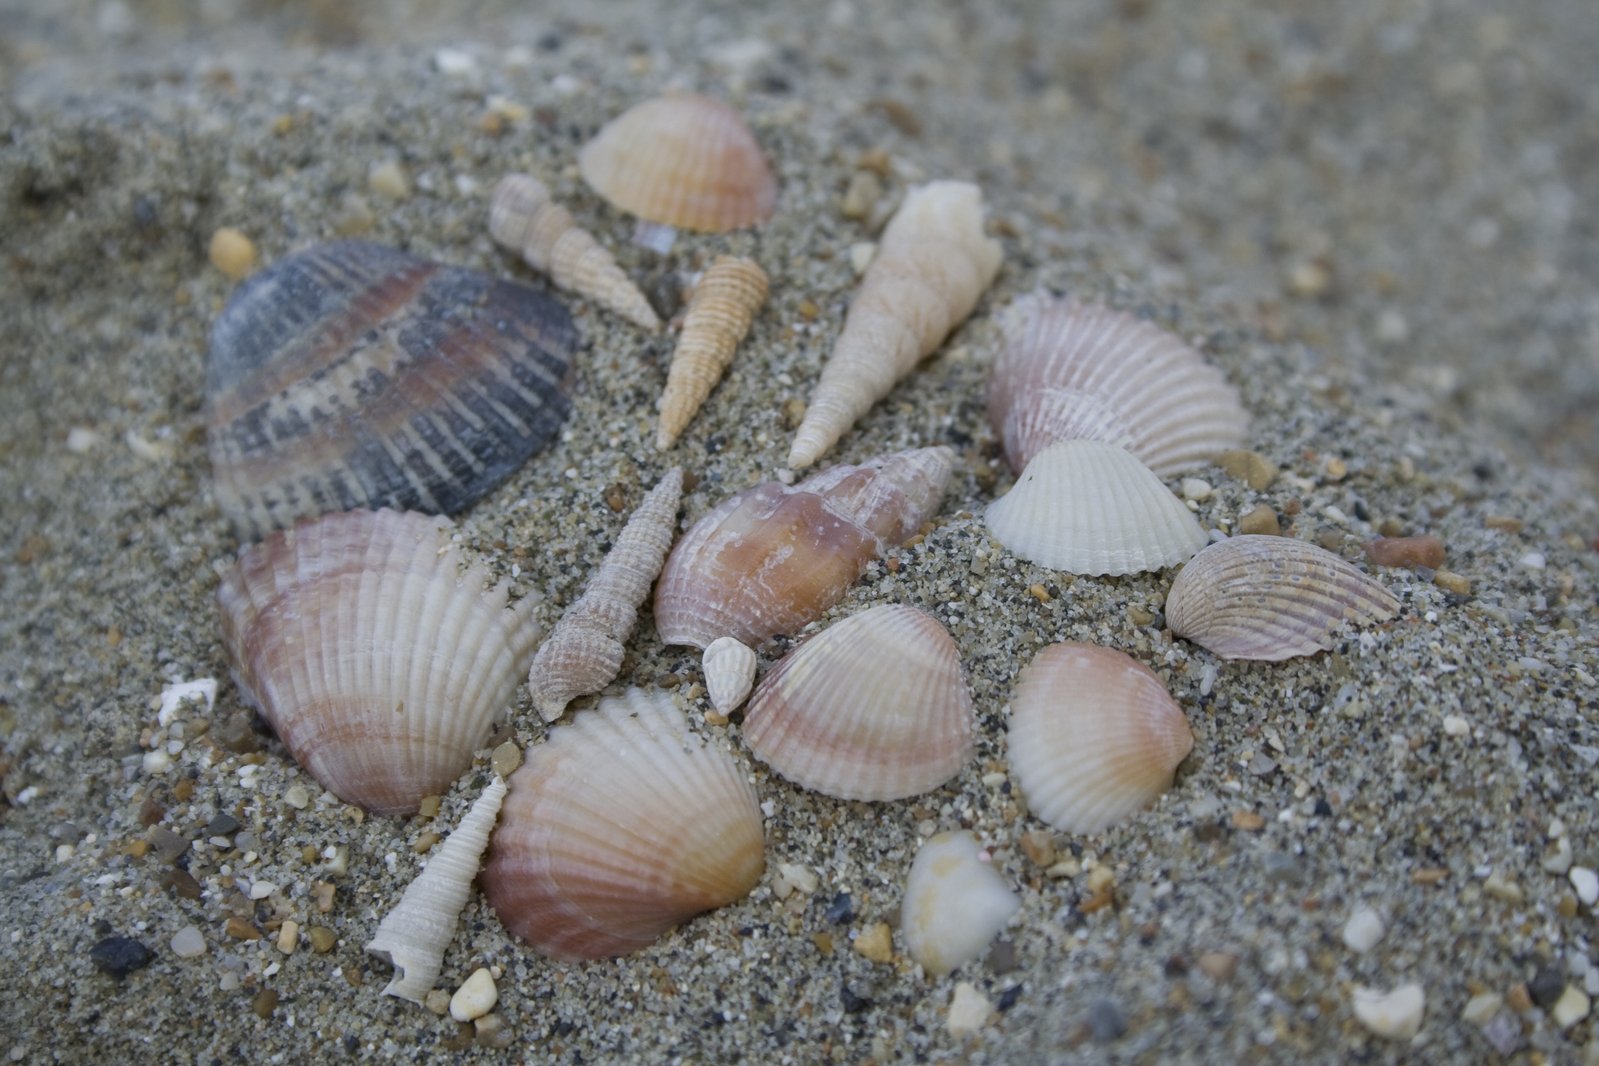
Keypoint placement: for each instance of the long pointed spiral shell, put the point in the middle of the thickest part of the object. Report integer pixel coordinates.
(931, 268)
(729, 667)
(584, 651)
(719, 314)
(524, 219)
(416, 933)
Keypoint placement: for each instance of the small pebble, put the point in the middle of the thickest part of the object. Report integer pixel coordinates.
(1557, 857)
(437, 1001)
(800, 878)
(1586, 883)
(1425, 551)
(239, 929)
(1218, 965)
(1502, 888)
(865, 189)
(1456, 726)
(1248, 821)
(120, 955)
(1503, 1032)
(1363, 930)
(1546, 986)
(1480, 1009)
(506, 758)
(1452, 582)
(1570, 1008)
(1105, 1021)
(288, 936)
(1392, 1015)
(860, 256)
(265, 1002)
(188, 942)
(389, 180)
(322, 939)
(1252, 468)
(476, 996)
(1262, 521)
(969, 1010)
(876, 943)
(232, 253)
(1196, 489)
(298, 797)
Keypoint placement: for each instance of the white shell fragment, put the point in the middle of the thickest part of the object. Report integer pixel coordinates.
(720, 310)
(729, 666)
(1392, 1015)
(414, 936)
(476, 996)
(1092, 508)
(955, 903)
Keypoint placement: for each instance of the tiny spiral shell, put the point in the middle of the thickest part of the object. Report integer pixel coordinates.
(729, 666)
(720, 311)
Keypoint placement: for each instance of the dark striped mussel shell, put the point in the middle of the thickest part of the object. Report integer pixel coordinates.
(354, 375)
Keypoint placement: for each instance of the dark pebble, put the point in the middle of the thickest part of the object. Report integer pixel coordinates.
(841, 910)
(1007, 999)
(1105, 1021)
(181, 882)
(120, 955)
(853, 1004)
(237, 734)
(1002, 956)
(1546, 986)
(169, 846)
(1281, 869)
(223, 825)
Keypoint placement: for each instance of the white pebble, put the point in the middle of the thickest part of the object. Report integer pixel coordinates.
(1534, 561)
(298, 797)
(476, 996)
(969, 1010)
(800, 877)
(173, 697)
(1480, 1010)
(1570, 1008)
(1586, 882)
(1363, 930)
(262, 889)
(1456, 726)
(1557, 860)
(81, 439)
(455, 63)
(860, 256)
(156, 762)
(1196, 488)
(188, 942)
(1393, 1015)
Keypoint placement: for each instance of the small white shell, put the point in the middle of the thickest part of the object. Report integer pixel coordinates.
(720, 311)
(1091, 508)
(1395, 1015)
(729, 667)
(955, 903)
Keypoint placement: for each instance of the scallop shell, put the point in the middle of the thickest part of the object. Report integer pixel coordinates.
(379, 661)
(719, 314)
(415, 934)
(872, 708)
(1070, 370)
(1271, 598)
(523, 218)
(619, 827)
(955, 903)
(682, 160)
(729, 667)
(1091, 508)
(931, 267)
(1094, 736)
(353, 375)
(773, 558)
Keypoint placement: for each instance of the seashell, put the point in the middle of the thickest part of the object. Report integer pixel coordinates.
(719, 314)
(415, 934)
(584, 651)
(1094, 736)
(729, 667)
(353, 375)
(1070, 370)
(931, 267)
(1092, 508)
(1271, 598)
(772, 558)
(873, 708)
(375, 657)
(523, 218)
(682, 160)
(619, 827)
(955, 903)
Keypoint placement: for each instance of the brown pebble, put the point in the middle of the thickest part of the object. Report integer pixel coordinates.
(265, 1002)
(1391, 527)
(877, 160)
(1039, 847)
(1503, 523)
(1450, 581)
(901, 115)
(1262, 521)
(1039, 593)
(151, 811)
(1519, 999)
(823, 942)
(136, 849)
(808, 310)
(1422, 551)
(429, 807)
(1331, 540)
(322, 939)
(310, 855)
(425, 842)
(322, 892)
(1566, 905)
(232, 253)
(113, 636)
(239, 929)
(1429, 875)
(876, 942)
(506, 758)
(183, 791)
(237, 734)
(1248, 821)
(1252, 468)
(1139, 615)
(1219, 965)
(181, 882)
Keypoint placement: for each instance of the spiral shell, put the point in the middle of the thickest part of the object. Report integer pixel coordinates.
(729, 667)
(720, 311)
(955, 903)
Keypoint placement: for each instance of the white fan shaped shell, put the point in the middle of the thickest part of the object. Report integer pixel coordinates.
(955, 903)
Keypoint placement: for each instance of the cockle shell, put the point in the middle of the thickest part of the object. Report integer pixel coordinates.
(955, 903)
(1070, 370)
(619, 827)
(729, 667)
(932, 266)
(1271, 598)
(353, 375)
(523, 218)
(584, 650)
(1094, 736)
(773, 558)
(682, 160)
(720, 311)
(415, 934)
(1092, 508)
(378, 660)
(872, 708)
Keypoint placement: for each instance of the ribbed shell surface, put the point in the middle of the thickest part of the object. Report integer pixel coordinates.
(720, 311)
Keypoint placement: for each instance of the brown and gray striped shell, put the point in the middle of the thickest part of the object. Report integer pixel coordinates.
(354, 375)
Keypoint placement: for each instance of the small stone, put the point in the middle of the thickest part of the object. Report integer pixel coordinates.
(800, 878)
(169, 846)
(865, 189)
(322, 893)
(288, 936)
(1535, 561)
(1502, 888)
(476, 996)
(1557, 856)
(389, 180)
(262, 889)
(425, 842)
(437, 1001)
(1248, 821)
(429, 806)
(298, 797)
(120, 955)
(188, 942)
(1570, 1008)
(1309, 279)
(1452, 582)
(969, 1010)
(1039, 847)
(1503, 523)
(841, 910)
(506, 758)
(1105, 1021)
(860, 256)
(1480, 1009)
(322, 939)
(1425, 551)
(1196, 489)
(223, 825)
(232, 253)
(1363, 930)
(265, 1002)
(1252, 468)
(1503, 1033)
(1218, 965)
(1586, 883)
(1519, 999)
(1456, 726)
(239, 929)
(1392, 1015)
(1546, 986)
(876, 943)
(1262, 521)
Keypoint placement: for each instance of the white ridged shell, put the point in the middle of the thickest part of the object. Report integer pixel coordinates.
(729, 666)
(955, 903)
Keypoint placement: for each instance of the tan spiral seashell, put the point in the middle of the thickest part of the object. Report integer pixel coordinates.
(1271, 598)
(620, 826)
(1094, 736)
(932, 266)
(378, 660)
(955, 903)
(1070, 370)
(729, 666)
(1091, 508)
(524, 219)
(682, 160)
(872, 708)
(584, 650)
(720, 311)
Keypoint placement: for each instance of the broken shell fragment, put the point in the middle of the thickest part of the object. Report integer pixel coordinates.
(729, 667)
(1094, 736)
(955, 903)
(1271, 598)
(720, 311)
(619, 827)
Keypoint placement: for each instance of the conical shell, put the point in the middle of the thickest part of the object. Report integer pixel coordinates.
(932, 266)
(720, 311)
(683, 160)
(1069, 370)
(353, 375)
(1271, 598)
(872, 708)
(619, 827)
(523, 218)
(1094, 736)
(955, 903)
(416, 933)
(774, 557)
(585, 650)
(1091, 508)
(729, 667)
(378, 660)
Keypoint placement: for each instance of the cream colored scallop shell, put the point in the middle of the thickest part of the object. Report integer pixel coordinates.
(955, 903)
(720, 311)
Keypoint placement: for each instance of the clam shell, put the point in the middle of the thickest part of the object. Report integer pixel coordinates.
(773, 558)
(1094, 736)
(682, 160)
(378, 660)
(872, 708)
(729, 673)
(353, 375)
(955, 903)
(1092, 508)
(720, 311)
(1070, 370)
(619, 827)
(1271, 598)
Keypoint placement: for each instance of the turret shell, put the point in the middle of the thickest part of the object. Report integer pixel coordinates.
(955, 903)
(720, 311)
